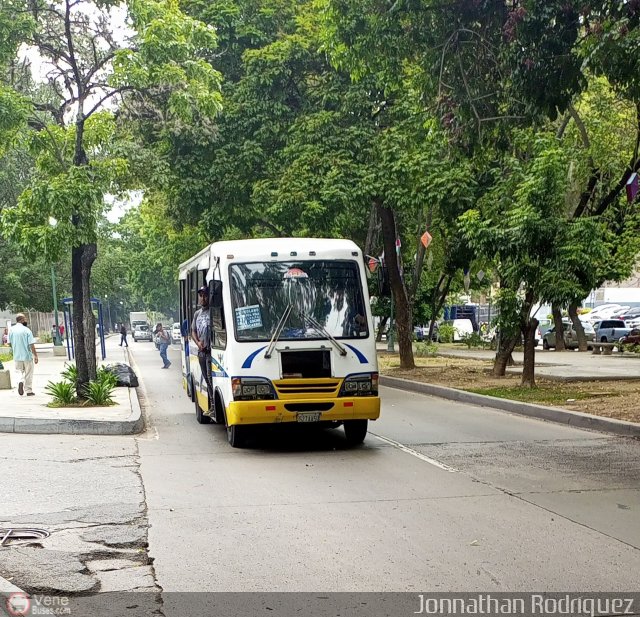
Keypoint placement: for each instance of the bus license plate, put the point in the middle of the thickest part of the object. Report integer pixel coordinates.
(309, 416)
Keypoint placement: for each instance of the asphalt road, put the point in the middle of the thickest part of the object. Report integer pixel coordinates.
(441, 496)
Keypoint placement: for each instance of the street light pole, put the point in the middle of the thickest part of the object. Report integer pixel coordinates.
(56, 339)
(57, 342)
(390, 342)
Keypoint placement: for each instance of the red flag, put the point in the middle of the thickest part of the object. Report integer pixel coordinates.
(426, 239)
(373, 264)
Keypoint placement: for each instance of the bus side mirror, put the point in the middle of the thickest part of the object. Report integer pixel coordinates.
(384, 290)
(215, 293)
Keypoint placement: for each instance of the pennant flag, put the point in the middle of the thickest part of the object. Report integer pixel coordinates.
(373, 264)
(632, 187)
(426, 239)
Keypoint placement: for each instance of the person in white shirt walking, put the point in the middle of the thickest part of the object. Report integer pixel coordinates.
(24, 354)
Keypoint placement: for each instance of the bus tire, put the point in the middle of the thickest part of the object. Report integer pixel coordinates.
(200, 417)
(355, 431)
(237, 435)
(218, 410)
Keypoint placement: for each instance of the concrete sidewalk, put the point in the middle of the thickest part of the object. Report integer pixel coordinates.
(563, 366)
(30, 414)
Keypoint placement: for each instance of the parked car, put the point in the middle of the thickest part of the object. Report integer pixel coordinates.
(142, 332)
(175, 333)
(631, 319)
(570, 336)
(610, 330)
(633, 338)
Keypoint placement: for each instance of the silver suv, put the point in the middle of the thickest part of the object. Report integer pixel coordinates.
(142, 332)
(570, 336)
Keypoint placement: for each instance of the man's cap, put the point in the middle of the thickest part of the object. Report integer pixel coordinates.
(203, 290)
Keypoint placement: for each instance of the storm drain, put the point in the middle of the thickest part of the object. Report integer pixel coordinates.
(20, 534)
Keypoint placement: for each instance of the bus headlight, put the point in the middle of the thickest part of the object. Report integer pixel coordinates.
(361, 384)
(251, 388)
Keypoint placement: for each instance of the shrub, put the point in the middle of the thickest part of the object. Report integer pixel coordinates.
(99, 392)
(45, 337)
(426, 350)
(631, 348)
(445, 333)
(63, 392)
(70, 373)
(473, 340)
(106, 377)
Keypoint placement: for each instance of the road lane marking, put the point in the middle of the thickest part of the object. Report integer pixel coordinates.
(422, 457)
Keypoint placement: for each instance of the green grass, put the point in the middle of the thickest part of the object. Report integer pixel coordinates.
(536, 395)
(5, 356)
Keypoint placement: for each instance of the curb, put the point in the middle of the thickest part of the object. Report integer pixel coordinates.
(7, 588)
(67, 426)
(575, 419)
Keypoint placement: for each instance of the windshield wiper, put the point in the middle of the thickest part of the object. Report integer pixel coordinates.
(278, 331)
(321, 329)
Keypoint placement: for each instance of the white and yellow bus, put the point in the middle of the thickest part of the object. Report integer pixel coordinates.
(291, 335)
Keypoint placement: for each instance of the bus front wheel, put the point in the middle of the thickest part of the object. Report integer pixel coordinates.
(237, 435)
(355, 431)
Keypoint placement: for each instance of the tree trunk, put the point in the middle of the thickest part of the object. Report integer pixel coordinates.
(383, 323)
(84, 332)
(559, 327)
(439, 297)
(372, 230)
(528, 370)
(404, 321)
(578, 327)
(503, 355)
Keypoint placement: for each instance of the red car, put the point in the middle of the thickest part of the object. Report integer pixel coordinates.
(633, 338)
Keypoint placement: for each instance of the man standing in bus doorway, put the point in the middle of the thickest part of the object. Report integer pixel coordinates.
(201, 334)
(24, 354)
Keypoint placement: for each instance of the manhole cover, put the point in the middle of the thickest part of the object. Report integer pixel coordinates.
(17, 534)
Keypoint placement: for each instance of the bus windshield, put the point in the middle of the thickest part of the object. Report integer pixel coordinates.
(319, 293)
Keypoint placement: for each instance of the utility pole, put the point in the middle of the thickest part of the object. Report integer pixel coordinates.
(56, 339)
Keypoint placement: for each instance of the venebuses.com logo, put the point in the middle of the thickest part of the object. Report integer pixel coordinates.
(18, 604)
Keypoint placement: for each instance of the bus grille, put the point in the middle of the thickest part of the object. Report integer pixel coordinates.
(317, 388)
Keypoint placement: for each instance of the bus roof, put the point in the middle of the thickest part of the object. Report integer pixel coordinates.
(262, 249)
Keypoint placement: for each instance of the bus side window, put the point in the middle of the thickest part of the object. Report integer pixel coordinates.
(193, 295)
(218, 328)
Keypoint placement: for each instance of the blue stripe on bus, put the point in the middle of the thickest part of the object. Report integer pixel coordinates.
(359, 354)
(220, 372)
(249, 361)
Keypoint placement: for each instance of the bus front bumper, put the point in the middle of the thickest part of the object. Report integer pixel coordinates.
(278, 411)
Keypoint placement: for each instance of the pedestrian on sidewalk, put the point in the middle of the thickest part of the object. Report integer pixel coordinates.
(123, 335)
(163, 339)
(24, 354)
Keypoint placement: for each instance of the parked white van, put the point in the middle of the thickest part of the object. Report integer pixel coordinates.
(461, 328)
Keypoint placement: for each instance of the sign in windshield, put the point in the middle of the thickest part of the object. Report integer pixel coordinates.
(323, 295)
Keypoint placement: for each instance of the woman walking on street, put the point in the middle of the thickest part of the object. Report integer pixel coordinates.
(163, 340)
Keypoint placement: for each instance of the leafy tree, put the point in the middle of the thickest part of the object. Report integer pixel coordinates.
(521, 223)
(152, 250)
(90, 64)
